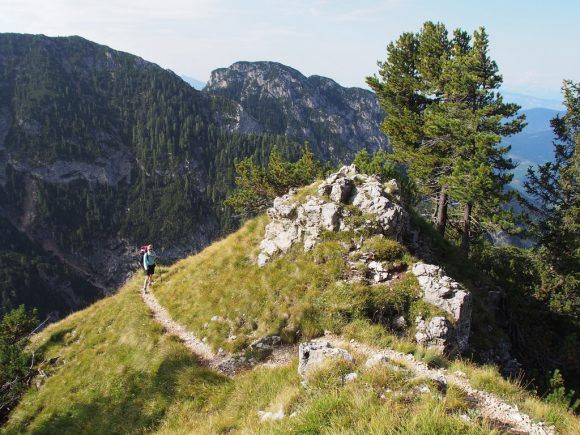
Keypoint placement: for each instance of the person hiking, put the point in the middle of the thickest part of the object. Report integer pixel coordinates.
(149, 266)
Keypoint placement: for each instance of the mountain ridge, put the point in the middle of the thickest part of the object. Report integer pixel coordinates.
(101, 151)
(316, 109)
(113, 368)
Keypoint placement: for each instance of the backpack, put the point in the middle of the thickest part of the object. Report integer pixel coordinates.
(142, 252)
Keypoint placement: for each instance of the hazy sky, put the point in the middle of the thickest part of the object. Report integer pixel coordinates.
(536, 43)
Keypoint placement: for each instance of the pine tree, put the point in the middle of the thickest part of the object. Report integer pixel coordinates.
(408, 83)
(554, 187)
(445, 120)
(468, 124)
(258, 186)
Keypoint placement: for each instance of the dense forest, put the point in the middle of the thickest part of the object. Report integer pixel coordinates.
(105, 148)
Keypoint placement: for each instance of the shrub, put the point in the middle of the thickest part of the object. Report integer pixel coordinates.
(383, 249)
(15, 360)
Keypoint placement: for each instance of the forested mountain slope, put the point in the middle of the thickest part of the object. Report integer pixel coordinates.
(101, 150)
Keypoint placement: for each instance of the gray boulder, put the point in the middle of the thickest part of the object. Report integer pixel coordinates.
(312, 355)
(376, 359)
(292, 222)
(449, 295)
(437, 333)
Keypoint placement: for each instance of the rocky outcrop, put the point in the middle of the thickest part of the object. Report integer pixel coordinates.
(336, 121)
(312, 355)
(293, 222)
(443, 292)
(438, 333)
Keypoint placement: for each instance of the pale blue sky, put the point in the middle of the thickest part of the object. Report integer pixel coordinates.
(536, 43)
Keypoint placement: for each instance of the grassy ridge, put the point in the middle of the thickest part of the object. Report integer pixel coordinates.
(224, 297)
(117, 371)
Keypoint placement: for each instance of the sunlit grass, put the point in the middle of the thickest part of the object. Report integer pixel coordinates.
(118, 371)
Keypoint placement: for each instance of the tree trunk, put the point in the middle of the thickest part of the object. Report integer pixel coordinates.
(442, 211)
(464, 248)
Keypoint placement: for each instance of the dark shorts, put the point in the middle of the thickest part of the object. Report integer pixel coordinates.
(150, 270)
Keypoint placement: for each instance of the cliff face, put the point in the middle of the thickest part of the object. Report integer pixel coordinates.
(336, 121)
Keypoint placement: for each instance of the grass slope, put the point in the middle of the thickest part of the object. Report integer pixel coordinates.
(117, 371)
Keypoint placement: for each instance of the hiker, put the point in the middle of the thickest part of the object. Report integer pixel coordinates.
(149, 266)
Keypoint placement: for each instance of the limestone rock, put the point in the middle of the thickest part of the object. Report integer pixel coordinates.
(447, 294)
(292, 222)
(271, 416)
(399, 323)
(312, 355)
(268, 342)
(349, 377)
(376, 359)
(378, 272)
(437, 333)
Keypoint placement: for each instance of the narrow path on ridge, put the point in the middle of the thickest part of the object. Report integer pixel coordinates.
(223, 363)
(492, 408)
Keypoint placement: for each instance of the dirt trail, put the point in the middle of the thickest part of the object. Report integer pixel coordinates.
(224, 363)
(492, 408)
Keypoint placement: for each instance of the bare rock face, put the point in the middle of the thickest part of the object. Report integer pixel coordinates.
(336, 121)
(449, 295)
(312, 355)
(437, 333)
(293, 222)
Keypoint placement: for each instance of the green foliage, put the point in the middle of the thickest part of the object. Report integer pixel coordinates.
(558, 393)
(16, 362)
(383, 249)
(31, 276)
(554, 186)
(258, 186)
(540, 312)
(445, 121)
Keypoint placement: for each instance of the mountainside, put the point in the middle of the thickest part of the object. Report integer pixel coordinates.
(101, 151)
(528, 102)
(339, 330)
(534, 145)
(337, 121)
(279, 99)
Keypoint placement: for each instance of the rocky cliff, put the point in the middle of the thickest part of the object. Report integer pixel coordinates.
(359, 208)
(275, 98)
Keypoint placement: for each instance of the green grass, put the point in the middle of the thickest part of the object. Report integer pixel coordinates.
(117, 371)
(296, 295)
(488, 378)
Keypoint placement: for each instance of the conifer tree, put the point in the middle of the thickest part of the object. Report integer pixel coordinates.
(445, 120)
(258, 186)
(408, 83)
(554, 186)
(468, 124)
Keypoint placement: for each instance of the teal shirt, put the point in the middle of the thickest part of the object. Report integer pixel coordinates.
(149, 260)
